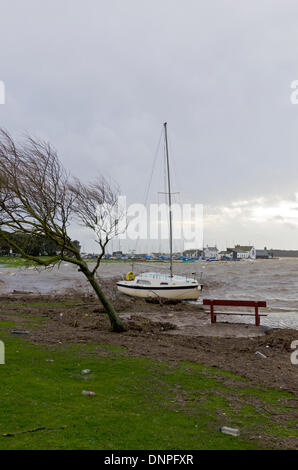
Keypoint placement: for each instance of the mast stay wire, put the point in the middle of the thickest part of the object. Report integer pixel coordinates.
(146, 195)
(175, 195)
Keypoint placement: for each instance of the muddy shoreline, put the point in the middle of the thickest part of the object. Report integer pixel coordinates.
(275, 281)
(157, 332)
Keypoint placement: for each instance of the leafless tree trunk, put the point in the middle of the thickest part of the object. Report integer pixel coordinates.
(38, 197)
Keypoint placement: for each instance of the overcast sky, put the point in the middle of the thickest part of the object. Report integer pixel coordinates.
(97, 78)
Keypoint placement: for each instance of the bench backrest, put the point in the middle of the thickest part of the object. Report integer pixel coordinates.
(235, 303)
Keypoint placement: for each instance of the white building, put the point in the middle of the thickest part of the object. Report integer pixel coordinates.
(245, 252)
(210, 252)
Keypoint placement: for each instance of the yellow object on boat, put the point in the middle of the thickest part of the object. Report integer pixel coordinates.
(130, 276)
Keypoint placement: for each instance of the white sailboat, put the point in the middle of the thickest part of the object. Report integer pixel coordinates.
(153, 285)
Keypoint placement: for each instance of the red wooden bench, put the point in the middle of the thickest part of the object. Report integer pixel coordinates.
(235, 303)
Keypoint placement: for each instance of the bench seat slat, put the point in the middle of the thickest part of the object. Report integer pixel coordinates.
(240, 313)
(235, 303)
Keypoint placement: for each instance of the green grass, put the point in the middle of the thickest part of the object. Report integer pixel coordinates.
(140, 403)
(7, 324)
(18, 261)
(28, 321)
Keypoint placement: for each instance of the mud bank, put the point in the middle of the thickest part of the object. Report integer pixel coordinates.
(161, 332)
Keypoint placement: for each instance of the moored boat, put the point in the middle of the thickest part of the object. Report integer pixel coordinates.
(157, 285)
(161, 286)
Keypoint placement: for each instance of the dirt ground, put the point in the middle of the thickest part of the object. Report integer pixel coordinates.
(160, 332)
(169, 333)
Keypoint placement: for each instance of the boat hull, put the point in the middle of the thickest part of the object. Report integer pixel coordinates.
(170, 293)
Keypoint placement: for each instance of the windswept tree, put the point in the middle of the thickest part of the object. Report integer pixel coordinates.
(38, 197)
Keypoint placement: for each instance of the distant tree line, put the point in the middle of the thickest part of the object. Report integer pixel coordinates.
(33, 245)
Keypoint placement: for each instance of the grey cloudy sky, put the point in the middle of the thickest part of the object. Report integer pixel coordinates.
(97, 78)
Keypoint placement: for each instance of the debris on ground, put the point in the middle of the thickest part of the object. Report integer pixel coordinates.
(20, 332)
(41, 428)
(230, 431)
(90, 394)
(261, 354)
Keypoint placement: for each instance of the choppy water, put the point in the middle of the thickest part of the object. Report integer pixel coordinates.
(275, 281)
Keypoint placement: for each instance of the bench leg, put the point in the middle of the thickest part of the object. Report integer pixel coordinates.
(213, 317)
(257, 316)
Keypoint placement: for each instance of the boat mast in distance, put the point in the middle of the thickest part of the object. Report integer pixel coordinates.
(170, 199)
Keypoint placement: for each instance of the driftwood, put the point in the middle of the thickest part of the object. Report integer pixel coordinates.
(42, 428)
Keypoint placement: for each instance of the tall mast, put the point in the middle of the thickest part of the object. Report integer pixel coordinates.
(170, 200)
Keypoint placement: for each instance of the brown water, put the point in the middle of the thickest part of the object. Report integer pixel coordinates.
(275, 281)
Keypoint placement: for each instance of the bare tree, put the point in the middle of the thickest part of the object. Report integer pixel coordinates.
(38, 197)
